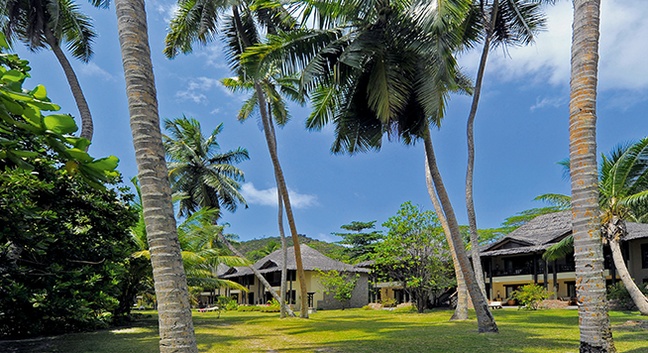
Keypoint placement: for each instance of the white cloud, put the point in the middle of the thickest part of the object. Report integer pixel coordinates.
(197, 87)
(167, 10)
(92, 69)
(268, 197)
(554, 102)
(213, 55)
(624, 28)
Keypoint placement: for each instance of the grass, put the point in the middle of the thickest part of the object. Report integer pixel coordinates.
(358, 331)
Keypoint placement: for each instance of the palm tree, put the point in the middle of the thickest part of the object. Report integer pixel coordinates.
(596, 335)
(623, 195)
(174, 311)
(199, 21)
(49, 23)
(202, 175)
(502, 23)
(381, 72)
(461, 310)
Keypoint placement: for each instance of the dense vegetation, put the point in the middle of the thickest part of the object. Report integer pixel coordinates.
(64, 236)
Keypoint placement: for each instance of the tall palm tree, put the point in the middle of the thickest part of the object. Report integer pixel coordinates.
(175, 324)
(50, 23)
(199, 22)
(596, 335)
(382, 71)
(501, 23)
(202, 175)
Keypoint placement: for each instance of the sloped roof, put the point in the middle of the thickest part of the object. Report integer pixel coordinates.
(545, 230)
(542, 230)
(636, 230)
(311, 259)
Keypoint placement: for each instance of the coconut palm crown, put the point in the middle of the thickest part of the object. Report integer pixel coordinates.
(204, 177)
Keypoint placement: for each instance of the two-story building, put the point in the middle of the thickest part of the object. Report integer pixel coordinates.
(516, 259)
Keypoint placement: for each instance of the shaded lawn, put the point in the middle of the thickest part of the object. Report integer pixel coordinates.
(361, 331)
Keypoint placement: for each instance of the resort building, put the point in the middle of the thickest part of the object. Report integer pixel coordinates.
(313, 260)
(516, 259)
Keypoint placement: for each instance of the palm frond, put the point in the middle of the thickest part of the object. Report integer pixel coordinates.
(560, 201)
(559, 250)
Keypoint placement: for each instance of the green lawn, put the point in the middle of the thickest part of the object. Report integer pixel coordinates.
(353, 331)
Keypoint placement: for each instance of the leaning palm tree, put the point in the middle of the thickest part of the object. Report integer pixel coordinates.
(382, 71)
(174, 311)
(52, 23)
(595, 332)
(461, 310)
(623, 195)
(199, 22)
(501, 24)
(198, 171)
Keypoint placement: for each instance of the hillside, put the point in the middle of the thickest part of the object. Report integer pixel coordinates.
(257, 248)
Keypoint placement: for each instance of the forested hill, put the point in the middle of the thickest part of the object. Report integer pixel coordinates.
(257, 248)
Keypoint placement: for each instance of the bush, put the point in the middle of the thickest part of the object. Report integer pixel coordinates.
(531, 295)
(408, 308)
(227, 303)
(620, 298)
(388, 302)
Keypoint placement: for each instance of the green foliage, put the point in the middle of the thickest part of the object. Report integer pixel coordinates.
(272, 307)
(405, 309)
(531, 295)
(64, 239)
(62, 250)
(199, 173)
(620, 297)
(388, 302)
(415, 253)
(341, 285)
(227, 303)
(359, 245)
(22, 122)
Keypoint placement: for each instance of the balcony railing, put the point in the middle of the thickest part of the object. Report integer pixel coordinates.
(529, 271)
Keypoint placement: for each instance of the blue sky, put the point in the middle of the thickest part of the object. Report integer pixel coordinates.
(521, 126)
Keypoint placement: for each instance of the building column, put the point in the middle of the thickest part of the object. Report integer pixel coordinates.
(535, 268)
(490, 277)
(555, 277)
(545, 275)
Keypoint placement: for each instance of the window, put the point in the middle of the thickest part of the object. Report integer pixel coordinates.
(644, 255)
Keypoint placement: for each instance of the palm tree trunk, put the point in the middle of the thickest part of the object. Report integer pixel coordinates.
(284, 256)
(470, 132)
(87, 128)
(595, 332)
(283, 192)
(258, 274)
(461, 311)
(281, 182)
(485, 320)
(638, 298)
(176, 326)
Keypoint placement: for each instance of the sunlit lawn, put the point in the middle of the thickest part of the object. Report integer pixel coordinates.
(355, 331)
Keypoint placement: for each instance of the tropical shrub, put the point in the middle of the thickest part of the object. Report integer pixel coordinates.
(64, 235)
(388, 302)
(340, 285)
(531, 295)
(619, 296)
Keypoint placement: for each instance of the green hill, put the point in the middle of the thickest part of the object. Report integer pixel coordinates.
(255, 249)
